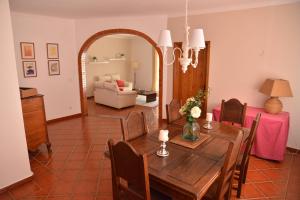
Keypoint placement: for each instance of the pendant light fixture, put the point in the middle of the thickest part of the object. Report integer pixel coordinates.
(192, 44)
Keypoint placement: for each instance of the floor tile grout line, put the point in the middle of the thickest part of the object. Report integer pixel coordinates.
(289, 174)
(65, 161)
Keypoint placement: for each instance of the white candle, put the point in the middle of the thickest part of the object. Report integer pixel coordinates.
(163, 135)
(209, 117)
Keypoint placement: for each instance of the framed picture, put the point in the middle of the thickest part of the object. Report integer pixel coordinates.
(53, 67)
(52, 51)
(27, 50)
(29, 69)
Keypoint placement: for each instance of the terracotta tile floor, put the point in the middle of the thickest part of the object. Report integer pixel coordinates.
(78, 170)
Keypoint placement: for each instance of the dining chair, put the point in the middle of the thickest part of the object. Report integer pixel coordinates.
(173, 110)
(243, 161)
(221, 189)
(130, 178)
(134, 125)
(233, 111)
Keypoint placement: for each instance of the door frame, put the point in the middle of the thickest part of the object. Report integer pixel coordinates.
(82, 68)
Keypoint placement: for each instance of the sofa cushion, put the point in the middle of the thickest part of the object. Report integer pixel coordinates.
(115, 77)
(111, 86)
(105, 78)
(120, 83)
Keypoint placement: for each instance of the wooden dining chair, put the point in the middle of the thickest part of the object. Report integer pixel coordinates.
(221, 189)
(173, 111)
(243, 161)
(134, 125)
(130, 179)
(233, 111)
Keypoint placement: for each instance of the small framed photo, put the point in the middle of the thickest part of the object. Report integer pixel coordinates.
(52, 51)
(27, 50)
(53, 67)
(29, 69)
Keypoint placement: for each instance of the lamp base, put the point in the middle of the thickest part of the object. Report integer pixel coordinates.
(273, 105)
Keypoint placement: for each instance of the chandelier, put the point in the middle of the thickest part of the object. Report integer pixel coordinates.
(192, 44)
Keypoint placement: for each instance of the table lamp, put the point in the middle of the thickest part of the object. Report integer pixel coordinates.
(275, 88)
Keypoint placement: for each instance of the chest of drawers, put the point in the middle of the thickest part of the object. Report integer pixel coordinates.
(35, 122)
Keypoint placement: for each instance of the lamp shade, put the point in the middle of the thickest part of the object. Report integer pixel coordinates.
(135, 65)
(165, 39)
(276, 88)
(197, 39)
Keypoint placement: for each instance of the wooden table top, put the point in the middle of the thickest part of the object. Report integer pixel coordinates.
(189, 172)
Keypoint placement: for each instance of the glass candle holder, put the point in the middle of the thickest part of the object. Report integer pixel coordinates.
(163, 137)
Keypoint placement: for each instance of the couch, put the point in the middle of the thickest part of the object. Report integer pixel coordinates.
(108, 93)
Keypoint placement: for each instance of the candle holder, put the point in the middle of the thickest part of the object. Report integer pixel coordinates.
(162, 152)
(208, 125)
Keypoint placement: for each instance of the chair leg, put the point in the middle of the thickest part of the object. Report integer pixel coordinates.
(244, 175)
(239, 188)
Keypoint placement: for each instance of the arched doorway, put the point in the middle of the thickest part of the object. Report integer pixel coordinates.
(82, 56)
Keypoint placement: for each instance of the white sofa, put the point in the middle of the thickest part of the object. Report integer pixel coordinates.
(109, 94)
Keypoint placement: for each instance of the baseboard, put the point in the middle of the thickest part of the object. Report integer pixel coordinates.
(25, 180)
(64, 118)
(293, 150)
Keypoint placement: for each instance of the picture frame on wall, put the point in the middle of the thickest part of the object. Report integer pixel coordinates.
(29, 69)
(52, 51)
(27, 50)
(53, 67)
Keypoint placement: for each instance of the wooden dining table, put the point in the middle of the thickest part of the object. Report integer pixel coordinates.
(187, 173)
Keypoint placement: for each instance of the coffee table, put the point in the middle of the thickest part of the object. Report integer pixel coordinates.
(150, 95)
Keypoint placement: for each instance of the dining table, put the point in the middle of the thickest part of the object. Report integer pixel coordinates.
(187, 173)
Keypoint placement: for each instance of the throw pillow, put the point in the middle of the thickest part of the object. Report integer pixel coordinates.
(120, 83)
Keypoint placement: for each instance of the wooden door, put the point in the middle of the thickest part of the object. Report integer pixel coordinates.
(189, 83)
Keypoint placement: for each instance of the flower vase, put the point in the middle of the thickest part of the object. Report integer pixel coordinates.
(191, 131)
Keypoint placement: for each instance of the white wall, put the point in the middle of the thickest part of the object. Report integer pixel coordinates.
(150, 25)
(142, 52)
(108, 47)
(62, 91)
(247, 47)
(13, 150)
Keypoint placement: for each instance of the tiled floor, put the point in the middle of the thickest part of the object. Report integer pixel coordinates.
(78, 170)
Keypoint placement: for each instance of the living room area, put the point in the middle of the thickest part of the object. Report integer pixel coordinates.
(122, 70)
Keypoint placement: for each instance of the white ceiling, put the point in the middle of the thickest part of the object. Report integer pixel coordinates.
(108, 8)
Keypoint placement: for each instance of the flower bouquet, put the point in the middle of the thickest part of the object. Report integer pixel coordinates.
(192, 111)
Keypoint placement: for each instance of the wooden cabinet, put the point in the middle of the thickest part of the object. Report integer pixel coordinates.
(35, 122)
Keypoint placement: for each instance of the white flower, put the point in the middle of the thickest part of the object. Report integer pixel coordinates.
(191, 99)
(182, 110)
(196, 112)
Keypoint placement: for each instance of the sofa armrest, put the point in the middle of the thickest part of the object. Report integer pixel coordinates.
(128, 85)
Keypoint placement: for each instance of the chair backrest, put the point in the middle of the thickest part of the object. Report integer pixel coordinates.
(134, 125)
(173, 110)
(130, 179)
(233, 111)
(250, 141)
(227, 173)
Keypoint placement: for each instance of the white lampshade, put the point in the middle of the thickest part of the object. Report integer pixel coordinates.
(135, 65)
(165, 39)
(197, 39)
